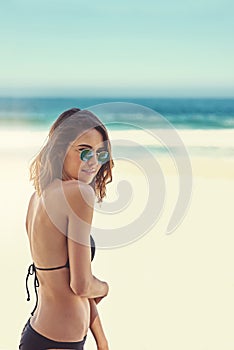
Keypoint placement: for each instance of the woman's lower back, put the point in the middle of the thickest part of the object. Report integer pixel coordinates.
(61, 315)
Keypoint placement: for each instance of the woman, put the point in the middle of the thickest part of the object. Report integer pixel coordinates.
(72, 168)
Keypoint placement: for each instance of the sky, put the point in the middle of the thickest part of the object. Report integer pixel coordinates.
(165, 48)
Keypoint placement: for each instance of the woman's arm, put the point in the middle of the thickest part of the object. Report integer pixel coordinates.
(79, 215)
(96, 327)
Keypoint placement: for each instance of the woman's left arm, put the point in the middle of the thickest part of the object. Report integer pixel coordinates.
(96, 327)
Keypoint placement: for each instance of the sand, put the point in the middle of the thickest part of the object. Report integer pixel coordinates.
(166, 291)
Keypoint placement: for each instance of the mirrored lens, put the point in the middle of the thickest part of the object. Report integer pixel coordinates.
(86, 155)
(103, 157)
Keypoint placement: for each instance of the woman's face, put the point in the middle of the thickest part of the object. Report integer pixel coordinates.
(80, 170)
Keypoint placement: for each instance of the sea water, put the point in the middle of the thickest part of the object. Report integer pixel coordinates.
(205, 126)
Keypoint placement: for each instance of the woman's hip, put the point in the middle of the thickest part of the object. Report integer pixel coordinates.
(32, 340)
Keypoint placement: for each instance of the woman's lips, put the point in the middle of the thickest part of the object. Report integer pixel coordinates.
(89, 171)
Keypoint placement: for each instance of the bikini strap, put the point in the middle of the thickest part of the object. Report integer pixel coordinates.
(32, 271)
(52, 268)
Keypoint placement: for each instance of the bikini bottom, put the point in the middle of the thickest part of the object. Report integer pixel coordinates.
(32, 340)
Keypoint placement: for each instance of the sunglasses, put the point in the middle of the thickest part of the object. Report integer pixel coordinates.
(87, 154)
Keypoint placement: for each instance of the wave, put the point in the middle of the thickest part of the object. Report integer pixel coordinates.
(181, 113)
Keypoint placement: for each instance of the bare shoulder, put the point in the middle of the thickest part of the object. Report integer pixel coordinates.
(65, 198)
(79, 194)
(28, 210)
(32, 198)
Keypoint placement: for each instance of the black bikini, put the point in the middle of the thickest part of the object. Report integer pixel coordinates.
(31, 339)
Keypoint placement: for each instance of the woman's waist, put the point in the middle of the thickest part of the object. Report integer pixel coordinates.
(67, 318)
(63, 300)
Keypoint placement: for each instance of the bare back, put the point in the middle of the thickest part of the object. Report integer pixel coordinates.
(48, 243)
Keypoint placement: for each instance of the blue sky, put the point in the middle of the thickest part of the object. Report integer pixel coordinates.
(144, 48)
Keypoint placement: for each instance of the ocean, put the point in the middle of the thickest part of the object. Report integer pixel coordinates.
(206, 126)
(182, 113)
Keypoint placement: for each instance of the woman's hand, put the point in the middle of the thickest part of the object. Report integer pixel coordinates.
(98, 299)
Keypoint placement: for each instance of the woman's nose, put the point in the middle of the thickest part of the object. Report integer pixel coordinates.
(93, 160)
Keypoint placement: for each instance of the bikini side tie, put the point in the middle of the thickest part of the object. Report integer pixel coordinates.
(31, 272)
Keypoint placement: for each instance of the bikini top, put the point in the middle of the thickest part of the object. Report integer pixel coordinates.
(32, 270)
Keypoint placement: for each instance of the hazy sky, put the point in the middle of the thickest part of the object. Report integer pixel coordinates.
(127, 47)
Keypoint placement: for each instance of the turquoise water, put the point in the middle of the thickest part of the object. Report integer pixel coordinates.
(181, 113)
(206, 126)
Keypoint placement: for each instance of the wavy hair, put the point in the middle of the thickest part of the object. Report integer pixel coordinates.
(48, 163)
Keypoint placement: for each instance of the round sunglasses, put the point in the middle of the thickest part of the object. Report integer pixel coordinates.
(87, 154)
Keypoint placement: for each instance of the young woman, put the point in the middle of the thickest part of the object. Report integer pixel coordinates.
(71, 169)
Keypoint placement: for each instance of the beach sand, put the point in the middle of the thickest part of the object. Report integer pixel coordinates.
(166, 291)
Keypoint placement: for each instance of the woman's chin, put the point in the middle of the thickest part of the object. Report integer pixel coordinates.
(86, 179)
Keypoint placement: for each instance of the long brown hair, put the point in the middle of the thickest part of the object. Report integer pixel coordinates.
(48, 164)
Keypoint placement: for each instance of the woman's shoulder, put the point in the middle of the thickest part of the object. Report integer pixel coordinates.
(33, 196)
(76, 188)
(78, 193)
(31, 201)
(70, 194)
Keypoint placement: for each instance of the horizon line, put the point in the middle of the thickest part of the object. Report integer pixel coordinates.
(93, 96)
